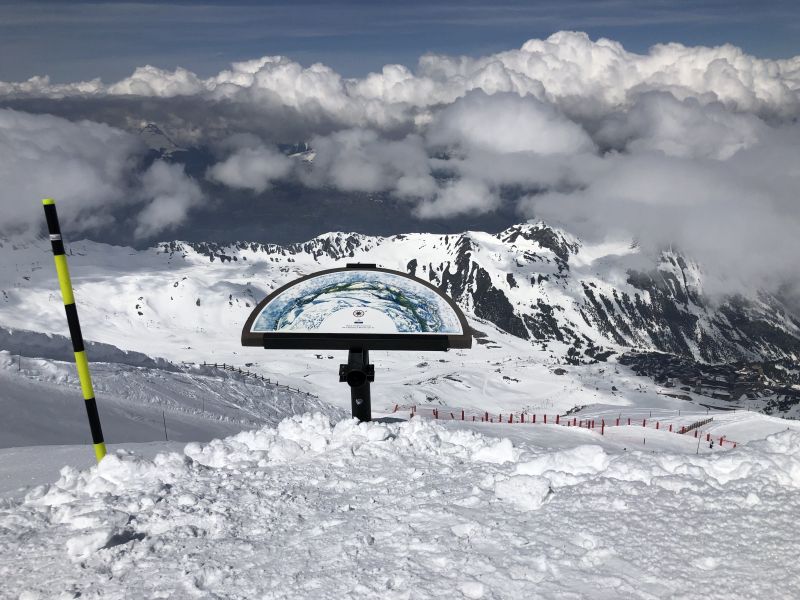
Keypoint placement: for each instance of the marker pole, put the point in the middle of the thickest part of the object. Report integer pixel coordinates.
(81, 362)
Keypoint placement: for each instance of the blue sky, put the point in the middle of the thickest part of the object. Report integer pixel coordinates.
(75, 40)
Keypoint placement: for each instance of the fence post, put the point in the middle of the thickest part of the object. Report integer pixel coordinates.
(603, 427)
(534, 418)
(558, 419)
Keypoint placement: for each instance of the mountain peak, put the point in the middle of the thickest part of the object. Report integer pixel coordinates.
(544, 236)
(155, 139)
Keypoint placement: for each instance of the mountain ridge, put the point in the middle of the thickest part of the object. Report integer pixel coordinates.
(525, 277)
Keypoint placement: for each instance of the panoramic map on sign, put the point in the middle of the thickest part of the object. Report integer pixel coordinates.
(378, 308)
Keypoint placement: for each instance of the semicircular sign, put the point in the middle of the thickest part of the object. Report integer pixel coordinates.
(359, 305)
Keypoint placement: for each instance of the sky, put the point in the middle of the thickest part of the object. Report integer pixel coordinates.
(669, 124)
(74, 40)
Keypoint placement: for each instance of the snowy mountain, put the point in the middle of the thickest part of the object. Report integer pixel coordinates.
(538, 299)
(155, 139)
(541, 284)
(304, 503)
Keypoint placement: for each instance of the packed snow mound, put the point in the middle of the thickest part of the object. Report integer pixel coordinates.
(413, 509)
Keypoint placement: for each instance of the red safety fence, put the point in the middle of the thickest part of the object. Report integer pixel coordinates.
(460, 414)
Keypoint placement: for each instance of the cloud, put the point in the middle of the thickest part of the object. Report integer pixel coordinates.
(693, 146)
(82, 165)
(738, 216)
(91, 169)
(151, 81)
(360, 160)
(505, 123)
(251, 168)
(169, 194)
(459, 197)
(565, 69)
(658, 121)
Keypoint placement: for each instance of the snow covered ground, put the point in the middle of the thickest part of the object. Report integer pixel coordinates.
(319, 507)
(414, 509)
(42, 403)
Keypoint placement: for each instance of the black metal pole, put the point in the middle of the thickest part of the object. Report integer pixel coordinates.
(358, 374)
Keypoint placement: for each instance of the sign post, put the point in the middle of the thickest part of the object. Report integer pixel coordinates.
(358, 374)
(358, 308)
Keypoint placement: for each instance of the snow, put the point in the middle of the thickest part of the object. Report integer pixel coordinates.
(29, 466)
(263, 502)
(42, 403)
(415, 509)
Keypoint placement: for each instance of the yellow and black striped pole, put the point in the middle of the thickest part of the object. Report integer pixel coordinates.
(81, 362)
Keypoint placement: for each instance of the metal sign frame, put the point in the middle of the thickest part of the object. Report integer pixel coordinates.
(288, 340)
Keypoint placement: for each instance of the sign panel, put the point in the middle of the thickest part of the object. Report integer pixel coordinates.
(376, 308)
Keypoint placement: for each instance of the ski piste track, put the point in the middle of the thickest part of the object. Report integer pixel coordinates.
(599, 424)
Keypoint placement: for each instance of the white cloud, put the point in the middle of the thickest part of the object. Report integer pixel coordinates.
(80, 164)
(566, 68)
(464, 196)
(658, 121)
(253, 168)
(507, 123)
(739, 217)
(90, 169)
(689, 145)
(152, 81)
(170, 194)
(362, 161)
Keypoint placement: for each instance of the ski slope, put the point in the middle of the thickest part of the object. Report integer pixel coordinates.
(42, 403)
(416, 509)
